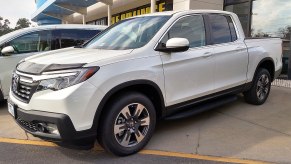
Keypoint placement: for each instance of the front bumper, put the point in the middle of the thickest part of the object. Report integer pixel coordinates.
(72, 110)
(68, 136)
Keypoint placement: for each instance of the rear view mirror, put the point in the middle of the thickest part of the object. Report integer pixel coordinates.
(175, 45)
(7, 51)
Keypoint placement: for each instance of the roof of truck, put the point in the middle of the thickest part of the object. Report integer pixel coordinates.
(186, 12)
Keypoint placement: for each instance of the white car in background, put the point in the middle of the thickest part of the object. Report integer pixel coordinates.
(22, 43)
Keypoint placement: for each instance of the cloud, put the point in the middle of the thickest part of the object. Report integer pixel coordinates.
(15, 9)
(270, 15)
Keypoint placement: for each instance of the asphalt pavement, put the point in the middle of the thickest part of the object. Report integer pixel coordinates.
(28, 154)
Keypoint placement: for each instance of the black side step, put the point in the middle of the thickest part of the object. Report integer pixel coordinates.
(208, 105)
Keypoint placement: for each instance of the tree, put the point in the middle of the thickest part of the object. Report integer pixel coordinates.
(22, 23)
(4, 26)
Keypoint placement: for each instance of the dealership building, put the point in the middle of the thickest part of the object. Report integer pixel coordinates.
(259, 18)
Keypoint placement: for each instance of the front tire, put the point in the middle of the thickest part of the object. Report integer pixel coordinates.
(128, 124)
(260, 90)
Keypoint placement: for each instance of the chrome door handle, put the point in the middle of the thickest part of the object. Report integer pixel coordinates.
(207, 54)
(240, 48)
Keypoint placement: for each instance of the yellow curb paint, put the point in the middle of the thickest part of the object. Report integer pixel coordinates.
(200, 157)
(27, 142)
(146, 152)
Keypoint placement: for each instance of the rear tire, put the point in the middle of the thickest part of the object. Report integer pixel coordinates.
(127, 124)
(260, 90)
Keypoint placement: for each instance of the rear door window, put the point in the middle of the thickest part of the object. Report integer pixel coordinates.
(222, 27)
(72, 37)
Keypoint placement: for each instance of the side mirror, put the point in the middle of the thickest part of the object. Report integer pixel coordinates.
(7, 51)
(174, 45)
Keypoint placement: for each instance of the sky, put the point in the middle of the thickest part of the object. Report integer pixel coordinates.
(270, 15)
(15, 9)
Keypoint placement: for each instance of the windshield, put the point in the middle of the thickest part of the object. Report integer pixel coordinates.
(129, 34)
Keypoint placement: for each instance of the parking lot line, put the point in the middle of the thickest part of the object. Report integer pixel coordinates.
(145, 152)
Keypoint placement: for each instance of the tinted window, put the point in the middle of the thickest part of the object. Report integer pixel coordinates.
(32, 42)
(232, 29)
(72, 37)
(220, 29)
(191, 28)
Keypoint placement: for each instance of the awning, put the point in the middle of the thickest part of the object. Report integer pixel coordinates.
(60, 9)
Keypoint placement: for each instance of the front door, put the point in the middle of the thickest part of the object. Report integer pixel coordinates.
(188, 75)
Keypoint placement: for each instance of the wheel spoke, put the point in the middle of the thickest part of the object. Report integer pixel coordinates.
(266, 90)
(138, 110)
(139, 136)
(119, 128)
(259, 83)
(126, 138)
(145, 121)
(125, 112)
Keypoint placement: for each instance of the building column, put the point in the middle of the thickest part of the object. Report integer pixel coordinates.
(109, 14)
(153, 6)
(84, 19)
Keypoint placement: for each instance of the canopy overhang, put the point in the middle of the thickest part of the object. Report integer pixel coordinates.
(61, 9)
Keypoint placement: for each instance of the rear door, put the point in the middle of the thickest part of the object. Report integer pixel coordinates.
(229, 52)
(25, 45)
(188, 74)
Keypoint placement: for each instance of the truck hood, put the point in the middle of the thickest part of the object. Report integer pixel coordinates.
(75, 55)
(68, 58)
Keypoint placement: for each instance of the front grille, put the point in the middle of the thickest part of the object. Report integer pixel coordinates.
(23, 88)
(30, 126)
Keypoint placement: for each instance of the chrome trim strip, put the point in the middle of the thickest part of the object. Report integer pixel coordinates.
(48, 76)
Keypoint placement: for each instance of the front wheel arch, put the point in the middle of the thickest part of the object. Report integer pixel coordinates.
(144, 86)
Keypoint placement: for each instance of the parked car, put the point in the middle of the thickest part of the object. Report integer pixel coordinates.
(158, 66)
(22, 43)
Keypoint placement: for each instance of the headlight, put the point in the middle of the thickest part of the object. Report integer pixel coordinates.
(64, 79)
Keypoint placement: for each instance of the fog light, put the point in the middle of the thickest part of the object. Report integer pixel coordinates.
(52, 129)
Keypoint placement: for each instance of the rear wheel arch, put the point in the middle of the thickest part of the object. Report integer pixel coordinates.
(146, 87)
(268, 64)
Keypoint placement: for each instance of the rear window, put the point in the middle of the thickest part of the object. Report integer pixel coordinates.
(223, 30)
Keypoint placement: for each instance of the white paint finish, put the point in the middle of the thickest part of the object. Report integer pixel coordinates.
(261, 48)
(188, 75)
(177, 42)
(231, 61)
(180, 76)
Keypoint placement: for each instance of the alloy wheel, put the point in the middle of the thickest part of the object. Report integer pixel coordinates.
(131, 125)
(263, 87)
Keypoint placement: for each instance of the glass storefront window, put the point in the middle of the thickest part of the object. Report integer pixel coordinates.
(242, 10)
(266, 18)
(272, 18)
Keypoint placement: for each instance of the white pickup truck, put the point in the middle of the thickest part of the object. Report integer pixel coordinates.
(165, 65)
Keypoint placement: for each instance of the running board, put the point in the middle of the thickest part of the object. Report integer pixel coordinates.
(208, 105)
